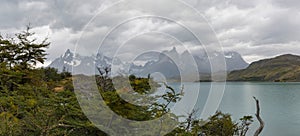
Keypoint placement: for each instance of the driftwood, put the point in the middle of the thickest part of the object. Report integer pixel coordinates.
(261, 122)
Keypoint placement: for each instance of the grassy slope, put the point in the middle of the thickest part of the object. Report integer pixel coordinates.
(285, 68)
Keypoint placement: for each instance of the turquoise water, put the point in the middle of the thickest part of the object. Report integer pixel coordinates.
(280, 104)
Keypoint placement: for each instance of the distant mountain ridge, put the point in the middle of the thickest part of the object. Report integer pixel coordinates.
(81, 64)
(283, 68)
(169, 63)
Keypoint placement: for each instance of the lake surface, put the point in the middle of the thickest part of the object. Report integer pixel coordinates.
(279, 102)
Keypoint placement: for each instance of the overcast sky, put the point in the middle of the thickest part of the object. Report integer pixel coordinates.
(256, 29)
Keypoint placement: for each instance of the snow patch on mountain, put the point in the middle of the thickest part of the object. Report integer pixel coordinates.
(168, 62)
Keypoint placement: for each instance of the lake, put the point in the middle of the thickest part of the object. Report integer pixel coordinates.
(279, 102)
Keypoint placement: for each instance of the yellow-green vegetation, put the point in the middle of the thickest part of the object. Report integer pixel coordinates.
(284, 68)
(30, 106)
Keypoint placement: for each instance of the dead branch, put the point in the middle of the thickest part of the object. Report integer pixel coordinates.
(190, 120)
(261, 122)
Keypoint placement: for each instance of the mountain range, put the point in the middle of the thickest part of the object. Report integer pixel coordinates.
(169, 62)
(81, 64)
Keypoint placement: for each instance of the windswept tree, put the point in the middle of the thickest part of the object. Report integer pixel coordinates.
(23, 50)
(19, 55)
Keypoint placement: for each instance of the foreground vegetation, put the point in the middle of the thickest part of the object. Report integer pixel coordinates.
(41, 101)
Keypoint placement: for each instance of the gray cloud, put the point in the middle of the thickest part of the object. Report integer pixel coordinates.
(257, 29)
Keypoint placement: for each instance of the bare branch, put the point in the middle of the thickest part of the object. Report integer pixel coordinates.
(261, 122)
(190, 119)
